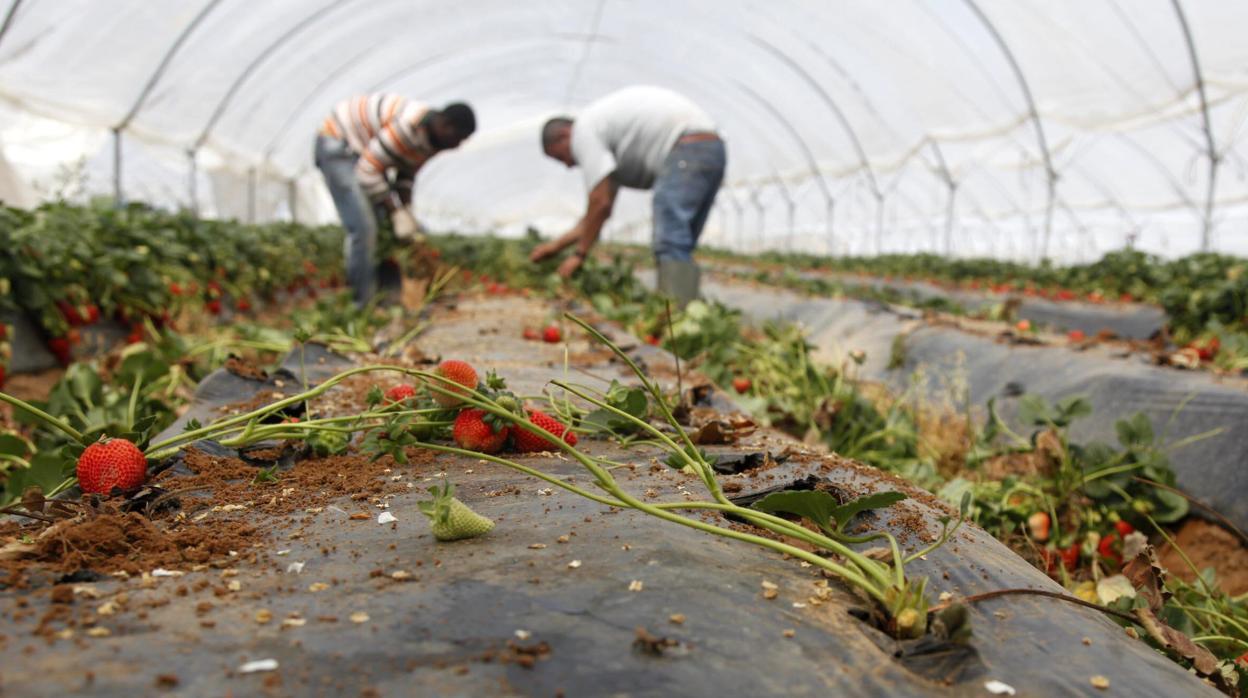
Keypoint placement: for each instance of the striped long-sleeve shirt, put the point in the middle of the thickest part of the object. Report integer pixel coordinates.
(385, 131)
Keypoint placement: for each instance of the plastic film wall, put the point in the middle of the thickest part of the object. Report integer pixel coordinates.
(1009, 128)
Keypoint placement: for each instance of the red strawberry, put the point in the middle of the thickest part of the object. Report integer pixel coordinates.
(1106, 548)
(1124, 529)
(2, 376)
(93, 313)
(528, 442)
(1023, 325)
(1126, 298)
(1070, 556)
(136, 334)
(213, 307)
(1076, 336)
(59, 346)
(531, 334)
(741, 384)
(472, 432)
(551, 334)
(652, 340)
(457, 372)
(243, 305)
(174, 288)
(110, 463)
(4, 331)
(399, 393)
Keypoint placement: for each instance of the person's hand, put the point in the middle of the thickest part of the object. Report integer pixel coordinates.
(542, 251)
(569, 266)
(405, 226)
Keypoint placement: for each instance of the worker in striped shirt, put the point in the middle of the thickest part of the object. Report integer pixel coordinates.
(369, 150)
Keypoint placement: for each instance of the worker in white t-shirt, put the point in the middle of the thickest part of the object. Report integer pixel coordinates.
(642, 137)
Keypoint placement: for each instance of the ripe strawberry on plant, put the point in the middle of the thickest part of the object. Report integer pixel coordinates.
(1123, 528)
(456, 371)
(399, 393)
(451, 519)
(741, 384)
(477, 430)
(60, 348)
(111, 463)
(213, 307)
(551, 334)
(524, 441)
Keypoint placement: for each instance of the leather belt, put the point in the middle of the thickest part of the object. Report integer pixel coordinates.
(697, 137)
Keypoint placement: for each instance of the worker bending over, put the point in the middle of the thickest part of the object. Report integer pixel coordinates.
(369, 149)
(642, 137)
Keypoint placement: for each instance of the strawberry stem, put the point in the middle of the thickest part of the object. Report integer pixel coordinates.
(44, 417)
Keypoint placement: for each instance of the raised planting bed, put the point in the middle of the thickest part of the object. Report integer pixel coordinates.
(1180, 405)
(321, 576)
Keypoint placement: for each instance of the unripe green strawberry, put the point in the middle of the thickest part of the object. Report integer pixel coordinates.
(451, 519)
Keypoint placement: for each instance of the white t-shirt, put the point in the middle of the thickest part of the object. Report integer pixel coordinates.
(630, 132)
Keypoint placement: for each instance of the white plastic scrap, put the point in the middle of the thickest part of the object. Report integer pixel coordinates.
(161, 572)
(999, 688)
(295, 568)
(386, 517)
(258, 665)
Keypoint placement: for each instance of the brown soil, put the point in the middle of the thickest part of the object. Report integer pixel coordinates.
(132, 543)
(1208, 545)
(32, 386)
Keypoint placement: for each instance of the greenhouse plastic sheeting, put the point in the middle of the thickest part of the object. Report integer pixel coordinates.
(482, 595)
(988, 127)
(1180, 404)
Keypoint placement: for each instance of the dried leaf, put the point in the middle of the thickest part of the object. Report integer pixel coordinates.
(1177, 643)
(1148, 577)
(713, 432)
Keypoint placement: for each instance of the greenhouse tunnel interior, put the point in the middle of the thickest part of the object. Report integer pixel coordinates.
(915, 361)
(1062, 129)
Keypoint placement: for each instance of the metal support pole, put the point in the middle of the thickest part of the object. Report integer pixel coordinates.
(193, 181)
(292, 196)
(740, 223)
(830, 222)
(762, 216)
(117, 193)
(953, 191)
(879, 224)
(251, 195)
(1207, 126)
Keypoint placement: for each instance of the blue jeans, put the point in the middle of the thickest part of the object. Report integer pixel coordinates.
(683, 194)
(337, 164)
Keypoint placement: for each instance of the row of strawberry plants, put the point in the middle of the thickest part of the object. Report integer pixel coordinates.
(1201, 293)
(67, 266)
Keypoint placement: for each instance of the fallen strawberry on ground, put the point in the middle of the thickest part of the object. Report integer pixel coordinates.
(451, 519)
(111, 463)
(477, 430)
(551, 334)
(456, 372)
(399, 393)
(524, 441)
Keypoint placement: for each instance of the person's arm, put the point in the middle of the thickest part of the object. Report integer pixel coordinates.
(585, 233)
